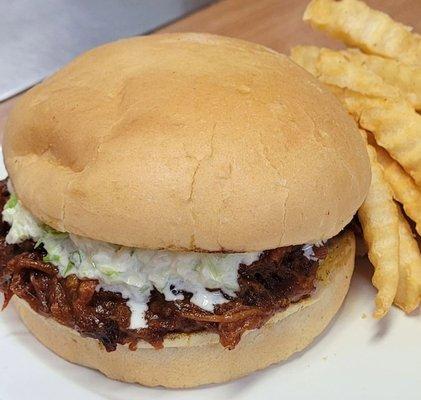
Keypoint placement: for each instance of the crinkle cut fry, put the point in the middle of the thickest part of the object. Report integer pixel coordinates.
(408, 294)
(358, 25)
(379, 219)
(394, 122)
(405, 191)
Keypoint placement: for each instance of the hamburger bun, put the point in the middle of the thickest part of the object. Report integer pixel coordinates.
(187, 142)
(196, 359)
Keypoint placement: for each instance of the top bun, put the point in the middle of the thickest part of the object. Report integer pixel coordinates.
(187, 142)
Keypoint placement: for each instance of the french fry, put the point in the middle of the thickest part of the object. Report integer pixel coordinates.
(395, 124)
(335, 68)
(357, 25)
(380, 223)
(307, 57)
(409, 287)
(397, 128)
(403, 186)
(407, 78)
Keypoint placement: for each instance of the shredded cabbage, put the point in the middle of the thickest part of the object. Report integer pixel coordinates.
(130, 271)
(23, 225)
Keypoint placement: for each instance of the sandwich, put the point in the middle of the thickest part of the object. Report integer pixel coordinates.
(178, 209)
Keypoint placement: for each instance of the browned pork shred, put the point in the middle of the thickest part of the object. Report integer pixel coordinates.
(280, 277)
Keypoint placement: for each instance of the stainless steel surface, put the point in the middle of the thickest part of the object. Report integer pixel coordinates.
(39, 36)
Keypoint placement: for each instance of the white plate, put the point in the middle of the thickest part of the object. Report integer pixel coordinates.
(357, 357)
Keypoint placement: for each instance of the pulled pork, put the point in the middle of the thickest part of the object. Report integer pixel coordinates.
(280, 277)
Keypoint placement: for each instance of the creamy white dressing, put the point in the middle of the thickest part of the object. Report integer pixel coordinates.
(308, 250)
(22, 224)
(130, 271)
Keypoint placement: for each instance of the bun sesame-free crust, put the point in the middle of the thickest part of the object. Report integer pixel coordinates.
(187, 142)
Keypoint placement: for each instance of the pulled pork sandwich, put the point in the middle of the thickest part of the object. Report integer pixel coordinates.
(176, 208)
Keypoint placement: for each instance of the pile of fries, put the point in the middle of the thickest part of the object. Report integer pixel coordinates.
(379, 82)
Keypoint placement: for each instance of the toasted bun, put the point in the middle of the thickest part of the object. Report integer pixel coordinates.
(187, 141)
(197, 359)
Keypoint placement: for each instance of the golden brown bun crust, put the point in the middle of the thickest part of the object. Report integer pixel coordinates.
(198, 359)
(187, 141)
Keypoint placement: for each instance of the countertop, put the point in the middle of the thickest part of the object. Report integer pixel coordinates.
(273, 23)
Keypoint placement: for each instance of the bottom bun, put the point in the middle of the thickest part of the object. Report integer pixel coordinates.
(196, 359)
